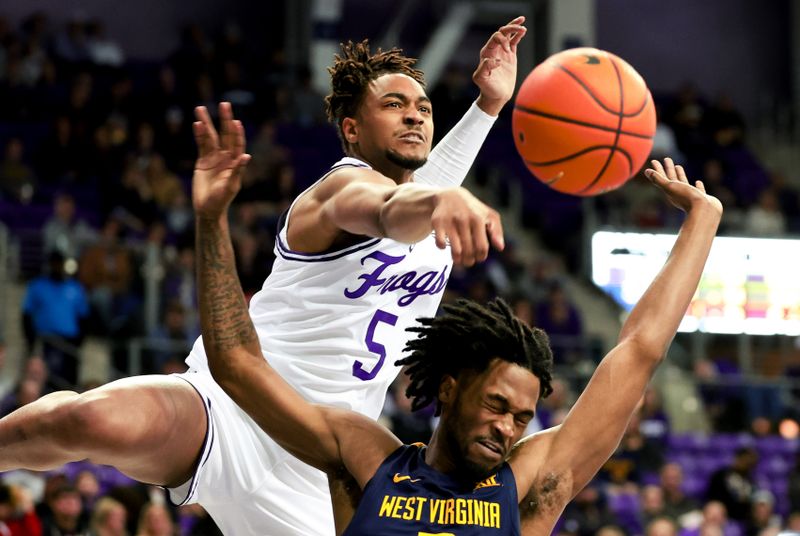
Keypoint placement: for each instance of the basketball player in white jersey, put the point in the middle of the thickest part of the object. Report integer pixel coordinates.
(360, 254)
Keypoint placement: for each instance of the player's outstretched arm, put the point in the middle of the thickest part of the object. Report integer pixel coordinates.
(364, 202)
(325, 438)
(496, 77)
(571, 454)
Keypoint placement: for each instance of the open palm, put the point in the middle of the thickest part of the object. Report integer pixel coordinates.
(672, 180)
(221, 159)
(496, 75)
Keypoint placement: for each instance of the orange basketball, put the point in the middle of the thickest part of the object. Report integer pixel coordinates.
(584, 121)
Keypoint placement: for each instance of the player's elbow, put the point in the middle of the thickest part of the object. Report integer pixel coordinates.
(228, 370)
(645, 349)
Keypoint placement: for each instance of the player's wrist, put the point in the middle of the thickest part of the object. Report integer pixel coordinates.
(490, 106)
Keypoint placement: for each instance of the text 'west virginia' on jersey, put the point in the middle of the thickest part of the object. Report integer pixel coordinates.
(332, 324)
(408, 497)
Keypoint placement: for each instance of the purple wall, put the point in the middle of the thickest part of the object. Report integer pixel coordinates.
(737, 46)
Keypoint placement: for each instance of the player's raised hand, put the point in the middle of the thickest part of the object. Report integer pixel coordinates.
(220, 161)
(671, 179)
(467, 224)
(496, 75)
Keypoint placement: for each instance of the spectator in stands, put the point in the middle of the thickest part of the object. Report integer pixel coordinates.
(88, 487)
(552, 410)
(635, 458)
(724, 123)
(17, 179)
(55, 310)
(715, 522)
(676, 502)
(562, 322)
(587, 512)
(164, 185)
(793, 523)
(108, 518)
(17, 515)
(733, 486)
(661, 526)
(654, 420)
(651, 498)
(106, 270)
(170, 340)
(102, 50)
(765, 218)
(64, 232)
(26, 391)
(65, 513)
(60, 158)
(155, 520)
(762, 516)
(611, 530)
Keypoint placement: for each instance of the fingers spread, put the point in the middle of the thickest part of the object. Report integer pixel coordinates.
(681, 174)
(656, 177)
(669, 165)
(657, 166)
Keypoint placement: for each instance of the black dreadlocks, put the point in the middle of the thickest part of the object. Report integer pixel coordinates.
(468, 336)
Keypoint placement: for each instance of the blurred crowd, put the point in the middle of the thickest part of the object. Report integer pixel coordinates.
(97, 156)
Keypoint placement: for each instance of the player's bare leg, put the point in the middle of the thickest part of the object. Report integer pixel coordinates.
(149, 427)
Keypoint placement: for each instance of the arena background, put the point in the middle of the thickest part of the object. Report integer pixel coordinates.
(96, 104)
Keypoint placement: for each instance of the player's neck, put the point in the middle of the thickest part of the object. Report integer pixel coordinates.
(439, 454)
(386, 168)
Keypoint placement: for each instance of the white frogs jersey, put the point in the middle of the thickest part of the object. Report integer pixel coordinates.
(333, 324)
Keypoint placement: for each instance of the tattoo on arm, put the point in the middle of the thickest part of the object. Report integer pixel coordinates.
(225, 319)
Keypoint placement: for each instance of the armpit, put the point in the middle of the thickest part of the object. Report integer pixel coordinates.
(547, 496)
(345, 496)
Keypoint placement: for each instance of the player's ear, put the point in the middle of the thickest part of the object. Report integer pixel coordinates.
(447, 390)
(350, 130)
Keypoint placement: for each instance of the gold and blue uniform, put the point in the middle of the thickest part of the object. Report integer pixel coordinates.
(408, 497)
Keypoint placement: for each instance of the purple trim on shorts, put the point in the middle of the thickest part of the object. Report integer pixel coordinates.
(207, 441)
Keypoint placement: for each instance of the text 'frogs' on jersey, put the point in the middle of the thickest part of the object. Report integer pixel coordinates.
(407, 496)
(333, 324)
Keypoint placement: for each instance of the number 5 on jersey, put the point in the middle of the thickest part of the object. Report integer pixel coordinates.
(373, 346)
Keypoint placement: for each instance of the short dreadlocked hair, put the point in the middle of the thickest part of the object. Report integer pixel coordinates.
(467, 337)
(351, 73)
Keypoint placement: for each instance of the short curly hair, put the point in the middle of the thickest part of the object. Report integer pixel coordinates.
(467, 337)
(351, 73)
